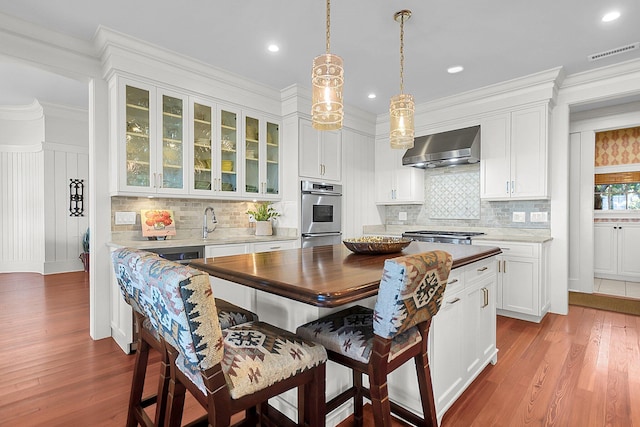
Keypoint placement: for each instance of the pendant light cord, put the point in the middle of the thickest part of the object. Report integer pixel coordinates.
(402, 53)
(328, 24)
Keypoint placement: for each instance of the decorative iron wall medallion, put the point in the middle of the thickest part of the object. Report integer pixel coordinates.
(76, 197)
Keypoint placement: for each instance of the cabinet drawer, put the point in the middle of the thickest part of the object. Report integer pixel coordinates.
(274, 246)
(513, 248)
(479, 270)
(455, 282)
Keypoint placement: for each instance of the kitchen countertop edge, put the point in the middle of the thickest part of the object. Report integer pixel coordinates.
(153, 244)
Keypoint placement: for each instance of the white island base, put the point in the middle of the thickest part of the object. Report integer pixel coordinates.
(462, 341)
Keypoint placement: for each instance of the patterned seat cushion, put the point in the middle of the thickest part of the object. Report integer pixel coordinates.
(411, 292)
(257, 355)
(350, 332)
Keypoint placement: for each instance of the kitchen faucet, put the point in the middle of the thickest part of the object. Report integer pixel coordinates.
(214, 221)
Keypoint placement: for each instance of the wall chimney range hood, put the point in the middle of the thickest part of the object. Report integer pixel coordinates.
(461, 146)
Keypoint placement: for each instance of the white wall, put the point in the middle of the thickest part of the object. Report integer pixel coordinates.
(21, 177)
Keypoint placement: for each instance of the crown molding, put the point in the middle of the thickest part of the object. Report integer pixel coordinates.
(124, 54)
(33, 111)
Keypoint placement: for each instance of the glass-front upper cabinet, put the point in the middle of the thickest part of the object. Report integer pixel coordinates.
(151, 153)
(229, 165)
(272, 183)
(203, 152)
(172, 171)
(138, 150)
(215, 149)
(252, 155)
(262, 157)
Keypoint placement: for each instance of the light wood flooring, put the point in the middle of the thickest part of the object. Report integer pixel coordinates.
(577, 370)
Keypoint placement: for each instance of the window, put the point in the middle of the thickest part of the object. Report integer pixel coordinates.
(617, 196)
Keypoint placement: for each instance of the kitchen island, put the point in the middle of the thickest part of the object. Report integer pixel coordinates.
(291, 287)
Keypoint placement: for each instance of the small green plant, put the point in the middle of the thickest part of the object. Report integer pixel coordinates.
(263, 212)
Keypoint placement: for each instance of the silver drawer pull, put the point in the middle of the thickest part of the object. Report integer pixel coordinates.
(482, 269)
(452, 282)
(453, 301)
(275, 247)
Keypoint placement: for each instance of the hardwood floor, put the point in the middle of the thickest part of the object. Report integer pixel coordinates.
(577, 370)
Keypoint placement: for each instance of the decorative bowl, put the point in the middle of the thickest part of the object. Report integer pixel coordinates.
(376, 244)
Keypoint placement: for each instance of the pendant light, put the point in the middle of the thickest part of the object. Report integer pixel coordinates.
(327, 80)
(401, 107)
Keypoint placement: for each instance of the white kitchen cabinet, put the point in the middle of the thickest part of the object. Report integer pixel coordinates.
(320, 153)
(513, 160)
(395, 183)
(214, 156)
(150, 131)
(617, 245)
(462, 339)
(522, 279)
(235, 293)
(261, 157)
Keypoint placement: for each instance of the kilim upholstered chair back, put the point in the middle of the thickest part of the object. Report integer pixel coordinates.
(376, 342)
(138, 273)
(229, 370)
(411, 291)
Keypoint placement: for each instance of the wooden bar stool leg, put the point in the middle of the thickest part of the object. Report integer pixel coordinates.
(163, 390)
(423, 371)
(357, 398)
(139, 372)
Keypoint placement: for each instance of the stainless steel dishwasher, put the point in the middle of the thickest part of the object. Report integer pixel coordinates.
(181, 254)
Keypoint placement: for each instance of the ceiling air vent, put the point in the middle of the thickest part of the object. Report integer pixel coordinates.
(616, 51)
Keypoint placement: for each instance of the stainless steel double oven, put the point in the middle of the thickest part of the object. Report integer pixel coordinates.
(321, 214)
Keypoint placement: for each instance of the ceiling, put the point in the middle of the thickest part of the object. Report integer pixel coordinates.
(494, 41)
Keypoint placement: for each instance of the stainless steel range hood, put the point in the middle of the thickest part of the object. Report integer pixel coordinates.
(455, 147)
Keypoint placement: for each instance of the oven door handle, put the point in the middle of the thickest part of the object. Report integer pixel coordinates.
(334, 233)
(322, 193)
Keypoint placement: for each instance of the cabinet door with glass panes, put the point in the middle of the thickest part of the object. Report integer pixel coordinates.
(262, 158)
(136, 136)
(215, 153)
(153, 134)
(228, 158)
(172, 156)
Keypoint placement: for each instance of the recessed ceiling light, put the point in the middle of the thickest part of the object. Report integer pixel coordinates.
(371, 96)
(273, 48)
(611, 16)
(455, 69)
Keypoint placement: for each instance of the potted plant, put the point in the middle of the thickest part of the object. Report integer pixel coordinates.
(84, 256)
(263, 215)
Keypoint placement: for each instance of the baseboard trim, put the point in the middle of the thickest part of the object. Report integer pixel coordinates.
(606, 302)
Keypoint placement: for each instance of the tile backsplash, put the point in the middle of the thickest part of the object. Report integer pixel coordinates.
(452, 198)
(188, 214)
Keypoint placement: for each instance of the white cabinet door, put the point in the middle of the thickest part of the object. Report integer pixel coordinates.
(529, 153)
(606, 248)
(495, 157)
(261, 157)
(395, 183)
(211, 251)
(480, 313)
(320, 153)
(520, 285)
(447, 344)
(513, 160)
(629, 249)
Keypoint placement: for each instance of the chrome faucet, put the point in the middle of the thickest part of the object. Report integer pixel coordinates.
(206, 230)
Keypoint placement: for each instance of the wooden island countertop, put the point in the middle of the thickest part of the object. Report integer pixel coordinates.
(324, 276)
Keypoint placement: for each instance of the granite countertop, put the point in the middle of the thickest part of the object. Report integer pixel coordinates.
(218, 237)
(526, 235)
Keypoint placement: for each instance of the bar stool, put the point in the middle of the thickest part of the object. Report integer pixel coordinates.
(376, 342)
(235, 369)
(129, 265)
